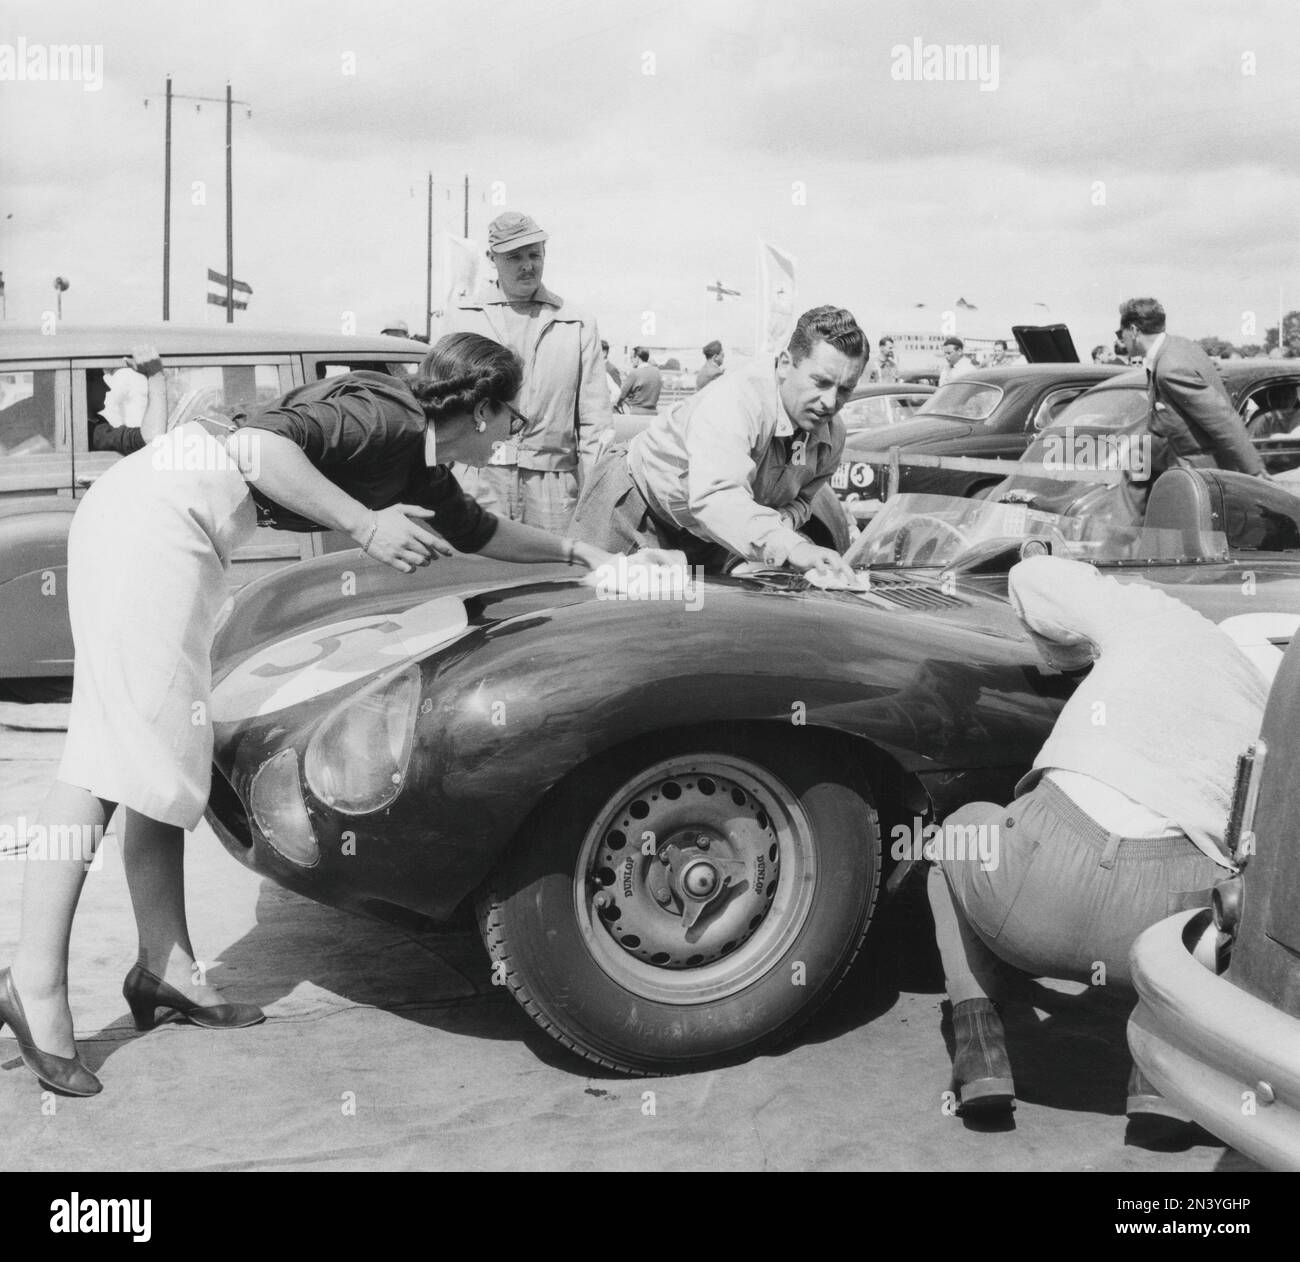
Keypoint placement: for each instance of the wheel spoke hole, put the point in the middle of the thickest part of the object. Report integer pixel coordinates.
(639, 809)
(707, 787)
(672, 790)
(616, 840)
(631, 941)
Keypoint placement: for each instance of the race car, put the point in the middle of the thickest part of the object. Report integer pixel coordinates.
(673, 800)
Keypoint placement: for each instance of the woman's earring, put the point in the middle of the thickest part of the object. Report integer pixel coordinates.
(480, 424)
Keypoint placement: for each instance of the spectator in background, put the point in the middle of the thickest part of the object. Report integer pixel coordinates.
(712, 365)
(999, 355)
(1198, 423)
(536, 478)
(395, 328)
(1102, 354)
(135, 407)
(954, 353)
(887, 369)
(641, 390)
(613, 378)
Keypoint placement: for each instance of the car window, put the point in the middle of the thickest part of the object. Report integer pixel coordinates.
(1260, 518)
(27, 412)
(969, 400)
(1054, 404)
(218, 390)
(404, 369)
(878, 410)
(1104, 409)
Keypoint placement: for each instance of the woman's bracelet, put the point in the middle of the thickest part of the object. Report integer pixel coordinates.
(370, 538)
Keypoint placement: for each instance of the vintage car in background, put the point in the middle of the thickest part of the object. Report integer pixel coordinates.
(992, 413)
(1217, 1026)
(669, 803)
(1109, 422)
(52, 389)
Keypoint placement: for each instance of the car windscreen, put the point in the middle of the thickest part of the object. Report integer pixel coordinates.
(922, 531)
(969, 400)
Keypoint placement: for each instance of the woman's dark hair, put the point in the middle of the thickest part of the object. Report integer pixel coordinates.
(463, 369)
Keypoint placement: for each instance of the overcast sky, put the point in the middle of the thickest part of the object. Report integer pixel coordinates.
(1123, 149)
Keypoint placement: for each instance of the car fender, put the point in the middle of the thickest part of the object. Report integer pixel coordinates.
(35, 638)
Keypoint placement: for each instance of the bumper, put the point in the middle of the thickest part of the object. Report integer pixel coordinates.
(1230, 1060)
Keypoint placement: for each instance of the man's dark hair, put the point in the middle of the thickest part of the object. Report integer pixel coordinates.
(1098, 352)
(955, 341)
(1146, 313)
(886, 341)
(712, 348)
(828, 324)
(1000, 342)
(640, 352)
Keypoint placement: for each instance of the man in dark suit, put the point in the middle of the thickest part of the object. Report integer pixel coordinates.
(1198, 424)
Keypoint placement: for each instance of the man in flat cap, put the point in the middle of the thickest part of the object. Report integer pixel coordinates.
(535, 478)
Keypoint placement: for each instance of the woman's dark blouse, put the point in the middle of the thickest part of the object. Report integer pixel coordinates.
(365, 433)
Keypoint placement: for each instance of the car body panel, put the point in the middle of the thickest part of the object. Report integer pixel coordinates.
(1225, 1046)
(932, 682)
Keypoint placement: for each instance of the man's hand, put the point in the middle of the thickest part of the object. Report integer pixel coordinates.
(391, 536)
(825, 561)
(145, 360)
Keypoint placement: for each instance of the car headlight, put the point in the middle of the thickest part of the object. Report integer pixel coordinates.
(357, 761)
(279, 812)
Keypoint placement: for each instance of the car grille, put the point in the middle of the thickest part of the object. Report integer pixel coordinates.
(907, 593)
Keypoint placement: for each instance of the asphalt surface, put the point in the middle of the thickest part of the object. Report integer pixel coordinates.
(387, 1049)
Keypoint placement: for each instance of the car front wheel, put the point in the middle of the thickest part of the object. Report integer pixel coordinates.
(677, 906)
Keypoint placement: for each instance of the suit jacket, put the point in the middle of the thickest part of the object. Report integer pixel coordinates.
(1199, 425)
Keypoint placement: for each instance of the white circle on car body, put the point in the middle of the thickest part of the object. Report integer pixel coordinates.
(312, 663)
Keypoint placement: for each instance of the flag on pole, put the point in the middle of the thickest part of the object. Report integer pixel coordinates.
(456, 273)
(963, 305)
(218, 299)
(776, 313)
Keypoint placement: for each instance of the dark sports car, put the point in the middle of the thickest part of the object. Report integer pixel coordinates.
(673, 802)
(992, 413)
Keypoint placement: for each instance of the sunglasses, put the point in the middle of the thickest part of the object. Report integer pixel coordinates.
(518, 421)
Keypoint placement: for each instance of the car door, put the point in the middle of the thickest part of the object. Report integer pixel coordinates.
(36, 506)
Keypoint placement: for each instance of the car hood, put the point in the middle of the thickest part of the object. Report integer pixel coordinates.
(914, 433)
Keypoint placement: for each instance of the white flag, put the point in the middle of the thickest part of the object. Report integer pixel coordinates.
(456, 275)
(776, 313)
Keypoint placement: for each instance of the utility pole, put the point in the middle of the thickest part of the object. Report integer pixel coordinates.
(428, 270)
(230, 225)
(167, 194)
(167, 208)
(466, 232)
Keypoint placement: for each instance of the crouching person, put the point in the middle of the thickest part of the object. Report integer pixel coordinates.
(1119, 824)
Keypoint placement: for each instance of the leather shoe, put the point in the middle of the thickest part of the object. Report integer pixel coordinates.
(981, 1069)
(146, 994)
(63, 1073)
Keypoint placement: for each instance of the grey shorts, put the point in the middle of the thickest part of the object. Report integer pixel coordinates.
(1064, 895)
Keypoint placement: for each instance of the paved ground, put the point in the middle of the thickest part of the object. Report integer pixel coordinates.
(392, 1050)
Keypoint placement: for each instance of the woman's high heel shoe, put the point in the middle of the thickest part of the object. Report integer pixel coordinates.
(63, 1073)
(146, 994)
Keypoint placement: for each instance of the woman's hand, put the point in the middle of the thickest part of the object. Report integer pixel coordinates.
(391, 536)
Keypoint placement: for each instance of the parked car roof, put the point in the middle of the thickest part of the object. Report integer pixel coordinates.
(82, 341)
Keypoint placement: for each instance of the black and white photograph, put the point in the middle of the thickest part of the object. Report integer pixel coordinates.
(608, 587)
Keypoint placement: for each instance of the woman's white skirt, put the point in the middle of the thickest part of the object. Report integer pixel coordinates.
(148, 554)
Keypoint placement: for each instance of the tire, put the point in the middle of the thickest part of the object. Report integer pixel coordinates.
(575, 923)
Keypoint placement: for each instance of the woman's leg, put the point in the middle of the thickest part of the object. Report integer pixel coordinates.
(51, 888)
(154, 857)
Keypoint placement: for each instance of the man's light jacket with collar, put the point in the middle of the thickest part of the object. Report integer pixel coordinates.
(716, 465)
(564, 395)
